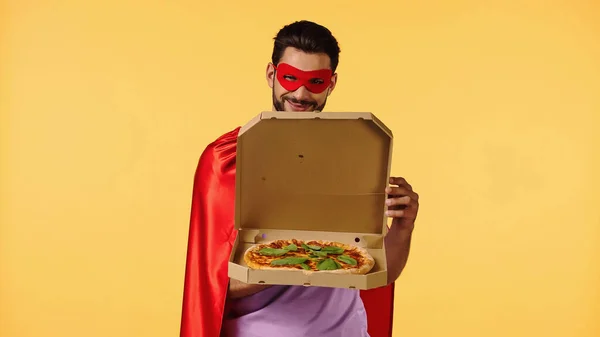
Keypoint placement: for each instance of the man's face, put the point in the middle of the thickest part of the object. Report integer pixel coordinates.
(301, 81)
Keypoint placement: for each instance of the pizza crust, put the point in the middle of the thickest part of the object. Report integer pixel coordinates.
(366, 264)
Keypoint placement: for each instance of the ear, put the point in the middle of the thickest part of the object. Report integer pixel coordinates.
(333, 83)
(270, 74)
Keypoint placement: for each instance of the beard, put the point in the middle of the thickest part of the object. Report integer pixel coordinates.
(279, 104)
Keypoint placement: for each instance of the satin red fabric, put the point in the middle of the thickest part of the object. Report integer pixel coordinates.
(211, 238)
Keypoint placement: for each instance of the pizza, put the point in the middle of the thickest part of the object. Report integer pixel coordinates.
(312, 256)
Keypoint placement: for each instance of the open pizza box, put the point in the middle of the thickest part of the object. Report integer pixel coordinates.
(312, 176)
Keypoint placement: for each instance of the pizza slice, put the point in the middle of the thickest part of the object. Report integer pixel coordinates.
(309, 257)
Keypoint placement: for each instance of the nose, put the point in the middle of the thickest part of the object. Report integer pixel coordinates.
(302, 94)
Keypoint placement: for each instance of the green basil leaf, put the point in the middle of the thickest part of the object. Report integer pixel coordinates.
(333, 250)
(310, 248)
(321, 254)
(305, 266)
(338, 265)
(272, 252)
(288, 261)
(291, 247)
(327, 264)
(347, 259)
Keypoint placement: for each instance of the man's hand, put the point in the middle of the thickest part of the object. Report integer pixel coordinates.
(403, 206)
(403, 203)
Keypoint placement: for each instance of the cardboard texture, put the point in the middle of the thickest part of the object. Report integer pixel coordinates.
(312, 176)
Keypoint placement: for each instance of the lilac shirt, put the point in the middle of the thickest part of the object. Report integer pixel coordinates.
(297, 311)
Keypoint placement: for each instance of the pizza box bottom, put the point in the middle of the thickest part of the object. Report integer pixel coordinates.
(373, 243)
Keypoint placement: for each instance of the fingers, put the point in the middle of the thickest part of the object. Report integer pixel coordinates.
(394, 213)
(402, 201)
(401, 191)
(407, 211)
(399, 181)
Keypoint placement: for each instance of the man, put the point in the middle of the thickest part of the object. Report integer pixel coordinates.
(302, 75)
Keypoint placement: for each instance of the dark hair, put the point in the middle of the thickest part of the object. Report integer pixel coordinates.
(308, 37)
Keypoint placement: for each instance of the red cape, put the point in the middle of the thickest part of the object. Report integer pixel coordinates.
(211, 239)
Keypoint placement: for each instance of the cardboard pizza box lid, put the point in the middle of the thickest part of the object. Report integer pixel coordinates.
(313, 171)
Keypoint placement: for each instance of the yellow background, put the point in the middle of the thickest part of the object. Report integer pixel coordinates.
(107, 105)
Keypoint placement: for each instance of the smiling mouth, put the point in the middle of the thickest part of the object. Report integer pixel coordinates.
(302, 106)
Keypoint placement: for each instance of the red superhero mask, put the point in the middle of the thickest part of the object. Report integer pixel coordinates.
(290, 78)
